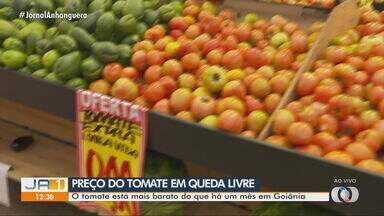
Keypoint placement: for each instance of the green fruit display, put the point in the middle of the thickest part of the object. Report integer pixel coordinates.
(7, 29)
(65, 26)
(125, 54)
(103, 5)
(168, 11)
(151, 17)
(127, 24)
(19, 23)
(105, 26)
(91, 69)
(25, 70)
(41, 73)
(105, 51)
(64, 44)
(43, 46)
(117, 8)
(20, 5)
(5, 3)
(131, 39)
(43, 5)
(134, 7)
(68, 66)
(52, 33)
(31, 41)
(89, 23)
(83, 38)
(52, 77)
(76, 83)
(141, 28)
(74, 6)
(13, 59)
(13, 43)
(34, 62)
(148, 4)
(31, 27)
(7, 13)
(49, 58)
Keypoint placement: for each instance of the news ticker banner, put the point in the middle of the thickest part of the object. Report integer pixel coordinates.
(111, 140)
(155, 189)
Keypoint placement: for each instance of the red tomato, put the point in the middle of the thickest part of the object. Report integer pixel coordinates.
(232, 59)
(299, 43)
(376, 94)
(295, 107)
(369, 118)
(129, 72)
(229, 43)
(344, 141)
(359, 151)
(356, 90)
(283, 59)
(309, 115)
(152, 74)
(378, 50)
(255, 58)
(324, 73)
(112, 72)
(351, 125)
(169, 84)
(282, 120)
(356, 61)
(361, 77)
(300, 133)
(178, 23)
(336, 54)
(243, 32)
(311, 149)
(307, 100)
(328, 123)
(190, 61)
(271, 102)
(320, 108)
(381, 108)
(326, 141)
(154, 92)
(210, 45)
(374, 64)
(307, 83)
(155, 57)
(378, 78)
(341, 106)
(372, 138)
(172, 68)
(139, 60)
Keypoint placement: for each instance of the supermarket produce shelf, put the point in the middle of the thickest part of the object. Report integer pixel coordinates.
(278, 168)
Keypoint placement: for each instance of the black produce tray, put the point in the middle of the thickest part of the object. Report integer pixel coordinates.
(278, 168)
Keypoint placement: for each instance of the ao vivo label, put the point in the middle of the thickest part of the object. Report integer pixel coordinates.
(111, 137)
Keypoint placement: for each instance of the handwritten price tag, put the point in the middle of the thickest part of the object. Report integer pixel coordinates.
(111, 137)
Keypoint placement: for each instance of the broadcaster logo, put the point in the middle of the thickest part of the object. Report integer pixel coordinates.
(345, 194)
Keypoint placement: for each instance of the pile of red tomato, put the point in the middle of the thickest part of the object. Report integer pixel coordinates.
(339, 110)
(207, 68)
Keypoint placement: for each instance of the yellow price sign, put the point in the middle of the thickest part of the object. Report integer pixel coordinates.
(111, 137)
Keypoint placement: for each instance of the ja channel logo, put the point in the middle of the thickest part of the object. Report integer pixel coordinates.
(345, 194)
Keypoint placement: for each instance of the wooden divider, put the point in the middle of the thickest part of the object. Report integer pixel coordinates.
(343, 17)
